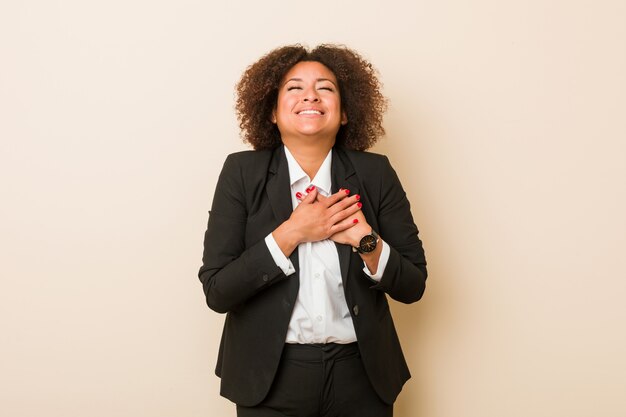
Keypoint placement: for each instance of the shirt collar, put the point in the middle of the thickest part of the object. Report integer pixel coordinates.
(322, 179)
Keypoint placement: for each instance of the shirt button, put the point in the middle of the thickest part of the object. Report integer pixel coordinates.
(265, 277)
(355, 310)
(319, 318)
(317, 275)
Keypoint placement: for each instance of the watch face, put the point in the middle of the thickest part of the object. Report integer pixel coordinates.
(367, 244)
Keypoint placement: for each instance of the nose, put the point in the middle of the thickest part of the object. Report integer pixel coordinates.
(310, 96)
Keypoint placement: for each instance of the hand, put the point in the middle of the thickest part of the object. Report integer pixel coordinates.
(317, 218)
(352, 235)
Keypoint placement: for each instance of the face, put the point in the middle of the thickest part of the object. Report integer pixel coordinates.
(309, 104)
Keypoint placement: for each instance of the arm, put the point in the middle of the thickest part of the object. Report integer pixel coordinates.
(404, 278)
(233, 272)
(404, 267)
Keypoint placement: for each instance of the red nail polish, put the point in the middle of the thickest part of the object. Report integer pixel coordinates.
(299, 195)
(312, 188)
(355, 221)
(358, 197)
(359, 205)
(346, 191)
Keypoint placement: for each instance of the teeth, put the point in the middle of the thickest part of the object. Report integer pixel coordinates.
(310, 112)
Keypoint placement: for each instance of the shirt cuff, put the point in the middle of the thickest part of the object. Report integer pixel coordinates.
(382, 263)
(279, 257)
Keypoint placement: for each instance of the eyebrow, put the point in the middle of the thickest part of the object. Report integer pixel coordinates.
(318, 80)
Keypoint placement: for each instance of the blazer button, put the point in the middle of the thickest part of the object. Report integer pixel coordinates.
(265, 277)
(355, 310)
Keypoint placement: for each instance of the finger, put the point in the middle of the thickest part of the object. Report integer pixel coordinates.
(310, 197)
(334, 198)
(344, 204)
(344, 225)
(321, 199)
(341, 192)
(346, 212)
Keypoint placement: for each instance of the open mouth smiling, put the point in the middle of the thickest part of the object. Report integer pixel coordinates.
(310, 112)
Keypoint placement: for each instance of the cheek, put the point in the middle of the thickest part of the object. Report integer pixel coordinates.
(284, 103)
(335, 102)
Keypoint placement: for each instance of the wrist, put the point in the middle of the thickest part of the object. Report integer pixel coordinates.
(287, 237)
(368, 243)
(360, 230)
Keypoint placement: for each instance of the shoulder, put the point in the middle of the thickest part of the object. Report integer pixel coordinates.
(243, 171)
(364, 162)
(364, 157)
(247, 161)
(247, 157)
(373, 170)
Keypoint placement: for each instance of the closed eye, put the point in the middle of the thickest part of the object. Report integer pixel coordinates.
(294, 87)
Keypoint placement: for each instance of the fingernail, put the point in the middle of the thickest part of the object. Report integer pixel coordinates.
(359, 205)
(358, 197)
(312, 188)
(346, 191)
(299, 195)
(355, 221)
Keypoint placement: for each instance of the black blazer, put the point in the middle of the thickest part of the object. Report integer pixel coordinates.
(239, 276)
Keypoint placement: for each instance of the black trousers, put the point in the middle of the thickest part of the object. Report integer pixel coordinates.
(321, 380)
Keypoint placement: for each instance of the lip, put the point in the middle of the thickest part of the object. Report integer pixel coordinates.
(310, 112)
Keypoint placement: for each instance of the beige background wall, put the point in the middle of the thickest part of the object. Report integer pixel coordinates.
(507, 126)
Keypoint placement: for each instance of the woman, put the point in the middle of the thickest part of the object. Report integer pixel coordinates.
(306, 236)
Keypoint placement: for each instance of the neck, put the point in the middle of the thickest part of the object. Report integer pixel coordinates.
(309, 156)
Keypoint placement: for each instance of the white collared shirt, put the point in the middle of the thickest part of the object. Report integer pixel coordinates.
(321, 313)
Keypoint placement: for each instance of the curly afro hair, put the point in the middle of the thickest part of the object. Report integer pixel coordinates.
(359, 88)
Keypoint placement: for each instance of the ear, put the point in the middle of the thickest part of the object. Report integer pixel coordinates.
(273, 118)
(344, 118)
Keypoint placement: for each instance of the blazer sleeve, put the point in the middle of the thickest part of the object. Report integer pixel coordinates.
(233, 270)
(404, 278)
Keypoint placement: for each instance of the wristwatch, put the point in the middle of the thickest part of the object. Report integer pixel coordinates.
(368, 243)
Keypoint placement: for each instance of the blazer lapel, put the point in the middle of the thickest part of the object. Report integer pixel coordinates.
(279, 192)
(343, 176)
